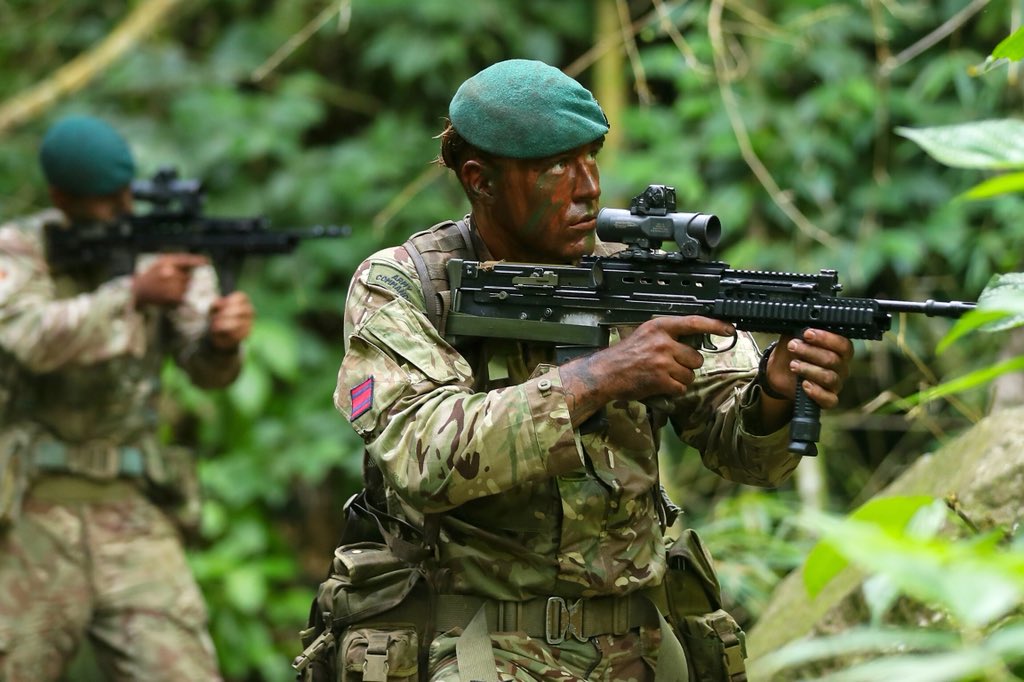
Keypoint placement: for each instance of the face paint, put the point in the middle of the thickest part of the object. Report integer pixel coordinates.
(544, 209)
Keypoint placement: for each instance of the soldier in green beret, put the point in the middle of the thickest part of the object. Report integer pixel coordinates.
(92, 506)
(548, 542)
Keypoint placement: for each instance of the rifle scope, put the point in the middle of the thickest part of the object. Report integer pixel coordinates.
(652, 219)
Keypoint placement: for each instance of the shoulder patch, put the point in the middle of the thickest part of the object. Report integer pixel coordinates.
(397, 280)
(362, 398)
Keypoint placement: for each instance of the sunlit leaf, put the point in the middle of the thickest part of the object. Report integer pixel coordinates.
(1011, 47)
(993, 144)
(1000, 307)
(824, 562)
(1001, 184)
(853, 641)
(969, 381)
(977, 581)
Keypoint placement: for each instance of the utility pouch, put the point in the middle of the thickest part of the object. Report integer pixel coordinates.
(379, 654)
(15, 473)
(172, 483)
(366, 581)
(714, 642)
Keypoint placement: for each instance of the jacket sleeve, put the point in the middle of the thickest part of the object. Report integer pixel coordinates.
(45, 333)
(720, 417)
(206, 366)
(410, 396)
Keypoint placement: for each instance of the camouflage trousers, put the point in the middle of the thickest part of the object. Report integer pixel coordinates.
(98, 560)
(615, 658)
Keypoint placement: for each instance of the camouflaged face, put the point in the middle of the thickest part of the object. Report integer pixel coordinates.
(531, 507)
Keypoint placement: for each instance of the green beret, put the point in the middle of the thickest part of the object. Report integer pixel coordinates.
(525, 109)
(84, 156)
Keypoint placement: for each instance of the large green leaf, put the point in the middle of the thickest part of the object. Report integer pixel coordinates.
(1000, 307)
(1011, 47)
(1008, 183)
(824, 561)
(993, 144)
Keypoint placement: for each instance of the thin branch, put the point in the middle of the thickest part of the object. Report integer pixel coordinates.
(784, 200)
(587, 59)
(643, 92)
(81, 70)
(408, 193)
(952, 24)
(343, 10)
(689, 56)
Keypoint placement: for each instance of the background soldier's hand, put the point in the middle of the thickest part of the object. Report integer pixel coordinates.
(165, 282)
(652, 361)
(820, 359)
(230, 320)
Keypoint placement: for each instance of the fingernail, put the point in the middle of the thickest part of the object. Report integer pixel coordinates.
(809, 334)
(793, 345)
(794, 367)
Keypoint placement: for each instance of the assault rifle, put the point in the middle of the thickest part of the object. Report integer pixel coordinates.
(175, 222)
(574, 306)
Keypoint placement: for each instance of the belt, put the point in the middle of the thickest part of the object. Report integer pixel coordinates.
(99, 461)
(553, 619)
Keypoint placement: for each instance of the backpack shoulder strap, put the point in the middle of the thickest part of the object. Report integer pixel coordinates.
(430, 251)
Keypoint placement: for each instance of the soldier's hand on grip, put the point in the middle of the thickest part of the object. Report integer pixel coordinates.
(166, 280)
(230, 320)
(820, 359)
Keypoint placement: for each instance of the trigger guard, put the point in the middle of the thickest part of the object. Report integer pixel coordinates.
(710, 347)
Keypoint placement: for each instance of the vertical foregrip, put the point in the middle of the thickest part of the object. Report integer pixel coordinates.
(805, 427)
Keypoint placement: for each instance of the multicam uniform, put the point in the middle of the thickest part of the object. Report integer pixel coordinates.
(91, 552)
(531, 508)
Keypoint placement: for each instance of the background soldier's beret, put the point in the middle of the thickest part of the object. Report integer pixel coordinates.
(84, 156)
(525, 109)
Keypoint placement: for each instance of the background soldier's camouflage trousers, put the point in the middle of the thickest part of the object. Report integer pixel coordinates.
(104, 562)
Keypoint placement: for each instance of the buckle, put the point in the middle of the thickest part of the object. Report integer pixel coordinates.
(562, 619)
(314, 651)
(101, 461)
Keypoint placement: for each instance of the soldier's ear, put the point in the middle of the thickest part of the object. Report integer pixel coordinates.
(477, 180)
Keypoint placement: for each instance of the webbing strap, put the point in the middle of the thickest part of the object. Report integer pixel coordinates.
(553, 619)
(451, 245)
(474, 653)
(104, 462)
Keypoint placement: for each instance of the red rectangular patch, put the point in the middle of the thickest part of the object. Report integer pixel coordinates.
(362, 398)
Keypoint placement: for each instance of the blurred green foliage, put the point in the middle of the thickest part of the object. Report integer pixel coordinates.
(337, 126)
(971, 582)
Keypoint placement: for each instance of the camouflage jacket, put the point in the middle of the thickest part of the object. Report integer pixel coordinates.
(530, 506)
(78, 358)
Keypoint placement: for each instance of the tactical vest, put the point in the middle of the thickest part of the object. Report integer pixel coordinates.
(376, 613)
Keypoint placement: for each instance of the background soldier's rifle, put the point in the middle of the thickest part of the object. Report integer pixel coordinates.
(175, 222)
(575, 306)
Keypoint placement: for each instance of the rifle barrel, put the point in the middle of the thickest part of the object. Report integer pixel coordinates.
(930, 307)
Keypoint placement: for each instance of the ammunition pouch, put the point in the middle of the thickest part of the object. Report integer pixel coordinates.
(715, 644)
(172, 483)
(15, 472)
(366, 623)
